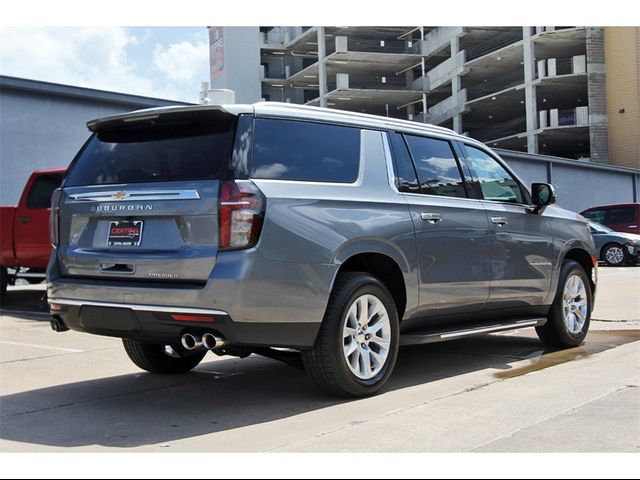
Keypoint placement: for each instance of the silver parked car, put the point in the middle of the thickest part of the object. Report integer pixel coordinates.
(286, 230)
(615, 248)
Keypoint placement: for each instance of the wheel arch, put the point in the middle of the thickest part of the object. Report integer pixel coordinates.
(586, 260)
(385, 262)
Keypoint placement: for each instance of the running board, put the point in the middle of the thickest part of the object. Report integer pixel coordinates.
(31, 275)
(431, 336)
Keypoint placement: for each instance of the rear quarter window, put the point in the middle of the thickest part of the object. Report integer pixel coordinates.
(305, 151)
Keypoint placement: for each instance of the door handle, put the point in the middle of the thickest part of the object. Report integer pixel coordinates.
(25, 219)
(432, 218)
(632, 226)
(501, 221)
(117, 268)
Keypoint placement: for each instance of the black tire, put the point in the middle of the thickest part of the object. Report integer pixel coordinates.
(609, 259)
(4, 281)
(555, 332)
(154, 359)
(325, 362)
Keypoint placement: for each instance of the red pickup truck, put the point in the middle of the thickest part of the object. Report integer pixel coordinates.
(24, 230)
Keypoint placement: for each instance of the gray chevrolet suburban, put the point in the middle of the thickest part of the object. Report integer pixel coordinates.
(305, 233)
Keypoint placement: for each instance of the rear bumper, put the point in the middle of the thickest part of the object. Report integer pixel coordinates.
(166, 324)
(251, 302)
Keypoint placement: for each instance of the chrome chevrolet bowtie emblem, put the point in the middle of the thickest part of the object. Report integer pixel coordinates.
(119, 195)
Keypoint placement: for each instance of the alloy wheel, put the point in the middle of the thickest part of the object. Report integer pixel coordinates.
(366, 336)
(574, 303)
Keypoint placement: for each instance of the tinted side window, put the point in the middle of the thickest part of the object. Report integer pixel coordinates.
(595, 215)
(437, 167)
(618, 215)
(42, 189)
(290, 150)
(496, 183)
(405, 172)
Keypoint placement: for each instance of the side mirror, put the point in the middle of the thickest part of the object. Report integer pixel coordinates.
(543, 194)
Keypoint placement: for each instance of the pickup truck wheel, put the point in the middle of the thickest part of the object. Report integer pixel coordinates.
(570, 315)
(357, 345)
(159, 359)
(4, 281)
(614, 255)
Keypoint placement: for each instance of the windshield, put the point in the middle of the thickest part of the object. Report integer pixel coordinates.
(599, 228)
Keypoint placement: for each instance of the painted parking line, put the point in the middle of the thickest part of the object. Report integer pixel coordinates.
(44, 347)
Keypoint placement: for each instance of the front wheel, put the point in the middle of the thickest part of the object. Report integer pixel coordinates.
(163, 359)
(570, 315)
(357, 345)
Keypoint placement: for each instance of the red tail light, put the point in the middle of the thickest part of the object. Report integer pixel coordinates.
(241, 207)
(54, 219)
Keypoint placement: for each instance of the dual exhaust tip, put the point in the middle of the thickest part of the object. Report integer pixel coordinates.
(208, 341)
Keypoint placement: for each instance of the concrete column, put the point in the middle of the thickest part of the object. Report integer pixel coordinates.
(597, 92)
(411, 111)
(530, 99)
(342, 81)
(322, 75)
(456, 86)
(424, 73)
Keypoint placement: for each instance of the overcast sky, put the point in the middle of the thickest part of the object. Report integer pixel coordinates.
(163, 62)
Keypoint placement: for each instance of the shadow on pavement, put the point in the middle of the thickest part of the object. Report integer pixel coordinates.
(142, 409)
(23, 303)
(145, 409)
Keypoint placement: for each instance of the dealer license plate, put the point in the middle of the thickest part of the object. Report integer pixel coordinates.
(125, 234)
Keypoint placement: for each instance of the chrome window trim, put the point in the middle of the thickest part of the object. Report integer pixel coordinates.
(135, 195)
(389, 159)
(137, 307)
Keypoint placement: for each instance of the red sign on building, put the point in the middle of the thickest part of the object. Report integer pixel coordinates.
(216, 52)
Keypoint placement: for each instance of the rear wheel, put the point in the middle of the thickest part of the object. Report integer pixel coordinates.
(614, 255)
(357, 345)
(163, 359)
(568, 321)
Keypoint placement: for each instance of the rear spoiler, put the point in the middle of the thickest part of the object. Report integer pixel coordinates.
(155, 113)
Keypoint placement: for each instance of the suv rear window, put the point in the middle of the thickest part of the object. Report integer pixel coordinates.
(291, 150)
(196, 148)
